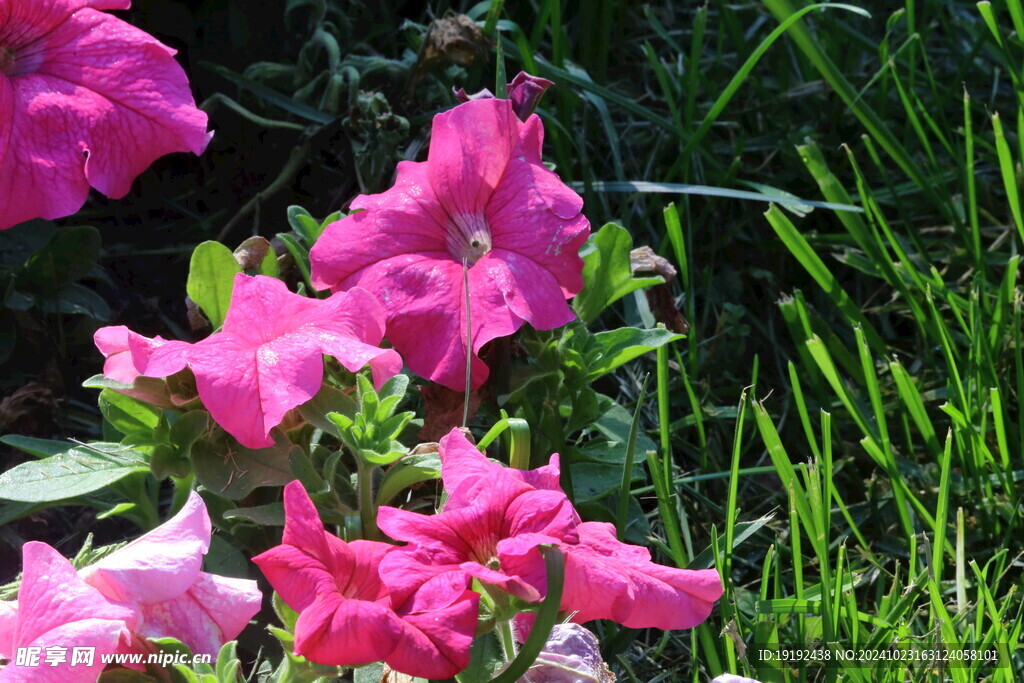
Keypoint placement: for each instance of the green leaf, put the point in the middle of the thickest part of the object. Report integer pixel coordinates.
(285, 614)
(615, 422)
(624, 344)
(371, 673)
(188, 429)
(485, 656)
(119, 509)
(304, 225)
(270, 95)
(211, 277)
(76, 299)
(743, 531)
(328, 400)
(413, 469)
(39, 448)
(67, 257)
(767, 194)
(75, 472)
(129, 415)
(270, 514)
(229, 469)
(303, 469)
(591, 480)
(607, 276)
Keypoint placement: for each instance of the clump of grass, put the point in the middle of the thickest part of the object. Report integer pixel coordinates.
(859, 374)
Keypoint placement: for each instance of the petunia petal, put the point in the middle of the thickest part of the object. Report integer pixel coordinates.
(340, 632)
(113, 344)
(426, 290)
(101, 634)
(407, 218)
(228, 381)
(437, 644)
(311, 561)
(8, 623)
(606, 579)
(464, 169)
(213, 611)
(94, 101)
(159, 566)
(466, 472)
(52, 596)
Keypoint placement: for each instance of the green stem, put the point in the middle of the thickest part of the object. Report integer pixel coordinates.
(367, 507)
(508, 641)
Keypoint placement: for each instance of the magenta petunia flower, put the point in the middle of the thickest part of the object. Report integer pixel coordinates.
(347, 617)
(87, 99)
(483, 198)
(159, 575)
(267, 358)
(524, 92)
(56, 609)
(485, 540)
(496, 516)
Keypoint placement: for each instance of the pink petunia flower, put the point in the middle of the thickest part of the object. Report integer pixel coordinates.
(56, 609)
(88, 100)
(604, 578)
(159, 575)
(483, 198)
(267, 358)
(346, 615)
(483, 540)
(151, 588)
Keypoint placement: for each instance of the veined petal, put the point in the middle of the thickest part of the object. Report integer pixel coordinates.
(426, 294)
(101, 634)
(159, 565)
(405, 219)
(8, 623)
(606, 579)
(438, 644)
(466, 472)
(92, 101)
(53, 598)
(340, 632)
(213, 611)
(227, 377)
(470, 146)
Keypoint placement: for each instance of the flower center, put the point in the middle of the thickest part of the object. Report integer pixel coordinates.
(8, 61)
(468, 237)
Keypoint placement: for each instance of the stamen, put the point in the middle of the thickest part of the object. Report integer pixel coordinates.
(468, 237)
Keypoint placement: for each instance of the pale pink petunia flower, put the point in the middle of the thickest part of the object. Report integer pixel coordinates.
(87, 100)
(151, 588)
(56, 609)
(159, 575)
(604, 578)
(483, 198)
(268, 357)
(347, 617)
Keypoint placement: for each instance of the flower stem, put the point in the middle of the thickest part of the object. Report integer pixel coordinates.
(508, 641)
(469, 343)
(367, 508)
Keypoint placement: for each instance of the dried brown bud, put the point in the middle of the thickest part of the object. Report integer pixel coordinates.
(251, 252)
(643, 261)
